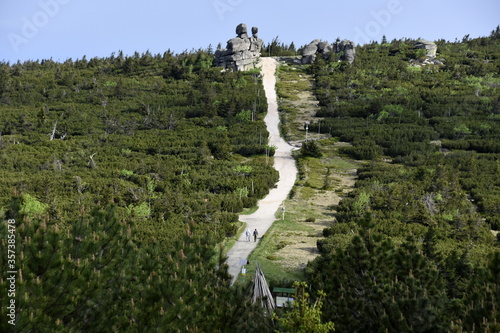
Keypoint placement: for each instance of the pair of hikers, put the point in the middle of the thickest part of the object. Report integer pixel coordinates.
(255, 234)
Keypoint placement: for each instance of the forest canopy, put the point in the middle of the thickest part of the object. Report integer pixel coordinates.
(161, 137)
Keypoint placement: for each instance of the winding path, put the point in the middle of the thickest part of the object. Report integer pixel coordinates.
(264, 217)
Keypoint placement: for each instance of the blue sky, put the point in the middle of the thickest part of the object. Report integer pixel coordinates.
(62, 29)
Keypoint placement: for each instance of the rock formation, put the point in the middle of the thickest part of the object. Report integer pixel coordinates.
(430, 47)
(347, 48)
(344, 48)
(309, 52)
(430, 56)
(241, 52)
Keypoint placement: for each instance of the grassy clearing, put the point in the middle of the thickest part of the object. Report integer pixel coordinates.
(323, 173)
(297, 102)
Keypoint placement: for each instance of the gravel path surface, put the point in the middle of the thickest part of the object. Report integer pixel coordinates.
(264, 217)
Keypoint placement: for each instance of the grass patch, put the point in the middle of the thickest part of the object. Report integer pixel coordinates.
(306, 192)
(340, 163)
(282, 245)
(248, 211)
(290, 95)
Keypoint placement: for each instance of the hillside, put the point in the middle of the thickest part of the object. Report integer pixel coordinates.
(167, 139)
(124, 176)
(416, 239)
(413, 246)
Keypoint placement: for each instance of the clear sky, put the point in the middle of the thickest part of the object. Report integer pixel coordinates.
(62, 29)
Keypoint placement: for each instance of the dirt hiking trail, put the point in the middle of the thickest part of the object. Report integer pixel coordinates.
(284, 163)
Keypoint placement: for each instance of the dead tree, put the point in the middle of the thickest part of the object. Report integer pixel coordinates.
(92, 164)
(52, 136)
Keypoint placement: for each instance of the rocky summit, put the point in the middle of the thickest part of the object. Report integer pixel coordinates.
(241, 52)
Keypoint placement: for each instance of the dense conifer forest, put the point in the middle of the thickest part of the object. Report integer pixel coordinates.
(154, 135)
(125, 174)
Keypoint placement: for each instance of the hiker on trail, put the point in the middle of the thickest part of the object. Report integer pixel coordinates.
(247, 233)
(255, 234)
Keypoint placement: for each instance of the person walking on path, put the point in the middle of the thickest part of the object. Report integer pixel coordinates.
(247, 233)
(255, 234)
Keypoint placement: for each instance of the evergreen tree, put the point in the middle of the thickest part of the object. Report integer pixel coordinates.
(311, 149)
(482, 301)
(303, 317)
(94, 277)
(375, 286)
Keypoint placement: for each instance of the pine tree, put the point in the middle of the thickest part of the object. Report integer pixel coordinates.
(429, 245)
(374, 285)
(303, 317)
(482, 301)
(70, 279)
(92, 277)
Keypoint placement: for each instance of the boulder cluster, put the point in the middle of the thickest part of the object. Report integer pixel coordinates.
(241, 52)
(345, 49)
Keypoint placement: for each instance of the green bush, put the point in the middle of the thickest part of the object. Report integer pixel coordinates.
(310, 149)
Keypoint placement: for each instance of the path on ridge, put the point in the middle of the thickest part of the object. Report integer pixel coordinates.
(264, 216)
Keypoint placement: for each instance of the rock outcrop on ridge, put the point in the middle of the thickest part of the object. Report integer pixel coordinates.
(241, 52)
(345, 49)
(430, 56)
(429, 46)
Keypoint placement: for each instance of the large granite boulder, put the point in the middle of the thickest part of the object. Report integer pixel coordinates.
(325, 48)
(344, 48)
(347, 50)
(309, 52)
(241, 52)
(430, 47)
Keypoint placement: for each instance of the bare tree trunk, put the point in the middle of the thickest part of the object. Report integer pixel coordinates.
(92, 164)
(171, 122)
(254, 110)
(53, 131)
